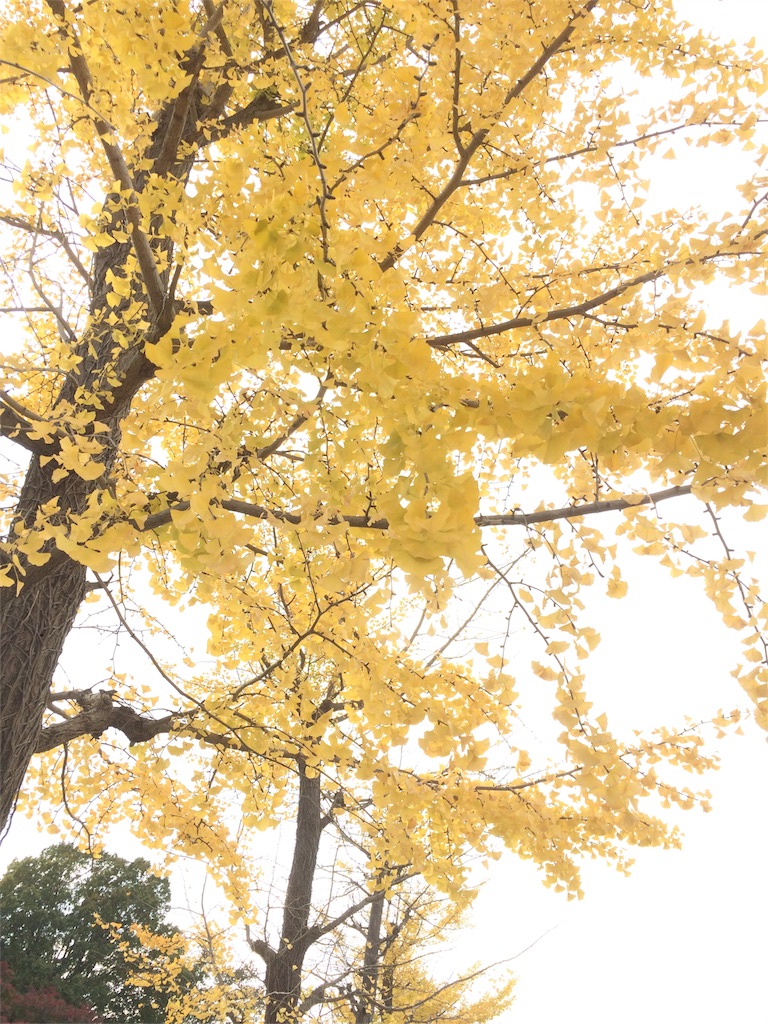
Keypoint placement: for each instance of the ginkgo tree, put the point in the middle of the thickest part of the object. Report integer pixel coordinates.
(349, 323)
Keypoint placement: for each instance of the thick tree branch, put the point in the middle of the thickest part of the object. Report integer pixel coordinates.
(365, 522)
(284, 971)
(179, 116)
(223, 92)
(371, 962)
(16, 423)
(263, 107)
(259, 947)
(35, 574)
(99, 714)
(319, 993)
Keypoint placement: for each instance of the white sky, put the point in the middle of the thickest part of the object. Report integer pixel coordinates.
(685, 938)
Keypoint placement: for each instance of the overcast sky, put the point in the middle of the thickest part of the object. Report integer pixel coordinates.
(684, 939)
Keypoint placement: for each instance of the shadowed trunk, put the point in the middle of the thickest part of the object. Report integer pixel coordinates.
(284, 966)
(371, 962)
(33, 627)
(35, 620)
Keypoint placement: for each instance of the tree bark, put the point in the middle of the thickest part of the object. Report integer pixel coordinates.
(371, 962)
(284, 967)
(36, 619)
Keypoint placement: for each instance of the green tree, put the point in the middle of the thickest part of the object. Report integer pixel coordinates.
(51, 938)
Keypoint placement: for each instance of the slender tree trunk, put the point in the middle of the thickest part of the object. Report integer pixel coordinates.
(284, 967)
(371, 964)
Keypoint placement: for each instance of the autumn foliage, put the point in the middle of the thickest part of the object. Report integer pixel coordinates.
(37, 1006)
(350, 330)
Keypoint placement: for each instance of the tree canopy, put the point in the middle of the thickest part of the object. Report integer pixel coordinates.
(51, 938)
(351, 325)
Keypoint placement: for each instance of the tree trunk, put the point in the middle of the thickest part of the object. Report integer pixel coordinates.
(283, 974)
(36, 618)
(371, 962)
(33, 627)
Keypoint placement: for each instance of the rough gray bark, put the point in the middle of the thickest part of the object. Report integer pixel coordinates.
(35, 621)
(284, 965)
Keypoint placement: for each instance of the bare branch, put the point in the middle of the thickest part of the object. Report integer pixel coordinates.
(317, 931)
(55, 233)
(446, 340)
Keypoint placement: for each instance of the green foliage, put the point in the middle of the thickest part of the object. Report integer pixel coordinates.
(50, 936)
